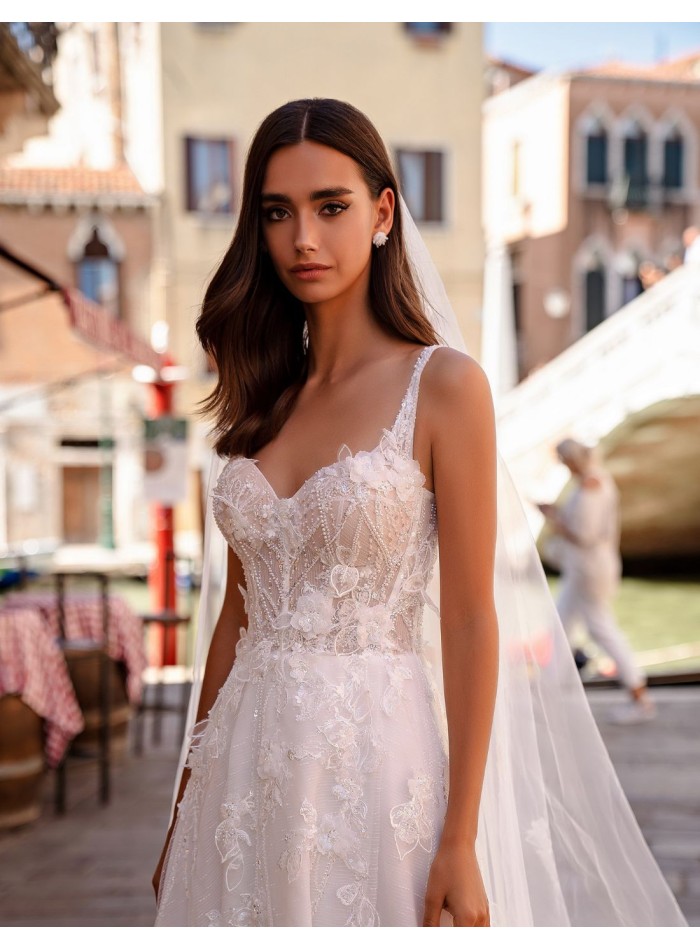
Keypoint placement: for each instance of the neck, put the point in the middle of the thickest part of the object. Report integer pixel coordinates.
(341, 333)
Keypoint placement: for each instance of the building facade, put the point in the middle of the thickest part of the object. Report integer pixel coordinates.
(421, 85)
(173, 108)
(589, 177)
(71, 210)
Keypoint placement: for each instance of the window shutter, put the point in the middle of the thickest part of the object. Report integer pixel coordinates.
(191, 201)
(597, 159)
(433, 186)
(595, 297)
(673, 163)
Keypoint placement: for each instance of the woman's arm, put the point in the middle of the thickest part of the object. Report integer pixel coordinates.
(220, 658)
(463, 440)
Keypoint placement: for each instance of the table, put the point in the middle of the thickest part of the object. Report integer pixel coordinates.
(32, 666)
(76, 622)
(83, 621)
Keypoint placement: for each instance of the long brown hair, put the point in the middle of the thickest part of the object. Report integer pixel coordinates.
(250, 324)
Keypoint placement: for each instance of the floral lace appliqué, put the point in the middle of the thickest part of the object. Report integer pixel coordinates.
(326, 675)
(229, 835)
(411, 820)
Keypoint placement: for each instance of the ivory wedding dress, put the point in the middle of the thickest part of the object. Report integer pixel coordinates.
(318, 783)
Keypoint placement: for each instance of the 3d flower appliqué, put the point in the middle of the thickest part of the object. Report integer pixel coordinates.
(313, 615)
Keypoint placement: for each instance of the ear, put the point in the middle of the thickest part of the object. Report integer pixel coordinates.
(384, 218)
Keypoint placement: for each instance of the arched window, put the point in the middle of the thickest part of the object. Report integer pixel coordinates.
(597, 154)
(635, 163)
(98, 274)
(673, 160)
(595, 293)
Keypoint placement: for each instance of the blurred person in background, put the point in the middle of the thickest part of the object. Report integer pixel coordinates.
(691, 243)
(588, 523)
(650, 273)
(673, 260)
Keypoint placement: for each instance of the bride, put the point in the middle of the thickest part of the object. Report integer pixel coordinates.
(349, 760)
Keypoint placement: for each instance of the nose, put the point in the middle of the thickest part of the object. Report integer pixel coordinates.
(305, 239)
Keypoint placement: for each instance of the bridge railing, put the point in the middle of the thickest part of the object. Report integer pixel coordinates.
(647, 351)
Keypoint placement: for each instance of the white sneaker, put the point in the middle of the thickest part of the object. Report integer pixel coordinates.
(632, 712)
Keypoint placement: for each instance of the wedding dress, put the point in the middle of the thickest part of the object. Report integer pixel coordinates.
(319, 780)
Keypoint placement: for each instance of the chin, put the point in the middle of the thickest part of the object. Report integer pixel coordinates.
(313, 294)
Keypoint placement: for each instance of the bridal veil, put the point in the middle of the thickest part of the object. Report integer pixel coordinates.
(558, 844)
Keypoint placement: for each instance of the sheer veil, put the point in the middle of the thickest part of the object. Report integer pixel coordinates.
(558, 844)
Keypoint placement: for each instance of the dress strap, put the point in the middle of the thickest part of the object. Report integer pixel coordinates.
(406, 421)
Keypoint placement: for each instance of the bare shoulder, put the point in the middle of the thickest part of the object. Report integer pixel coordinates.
(456, 388)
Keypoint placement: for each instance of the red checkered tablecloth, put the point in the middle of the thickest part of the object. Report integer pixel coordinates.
(83, 621)
(33, 667)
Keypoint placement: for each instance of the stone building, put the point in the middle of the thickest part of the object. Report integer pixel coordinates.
(588, 175)
(131, 190)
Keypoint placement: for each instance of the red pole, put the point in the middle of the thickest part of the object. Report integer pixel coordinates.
(162, 576)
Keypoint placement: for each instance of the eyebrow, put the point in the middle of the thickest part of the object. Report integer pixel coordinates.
(315, 195)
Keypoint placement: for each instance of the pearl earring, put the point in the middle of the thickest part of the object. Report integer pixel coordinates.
(380, 239)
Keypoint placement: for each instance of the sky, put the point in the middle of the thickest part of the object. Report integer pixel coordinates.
(569, 45)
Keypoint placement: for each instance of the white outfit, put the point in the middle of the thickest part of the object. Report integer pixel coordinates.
(318, 781)
(591, 570)
(692, 252)
(318, 785)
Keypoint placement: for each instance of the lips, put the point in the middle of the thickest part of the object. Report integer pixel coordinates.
(311, 271)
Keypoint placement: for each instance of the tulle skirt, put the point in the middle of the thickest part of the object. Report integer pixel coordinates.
(316, 798)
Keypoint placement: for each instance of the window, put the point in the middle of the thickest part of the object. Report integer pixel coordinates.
(635, 158)
(421, 178)
(209, 168)
(673, 161)
(597, 156)
(428, 30)
(517, 300)
(98, 275)
(595, 296)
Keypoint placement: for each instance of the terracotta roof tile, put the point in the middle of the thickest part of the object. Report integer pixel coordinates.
(684, 69)
(524, 71)
(56, 182)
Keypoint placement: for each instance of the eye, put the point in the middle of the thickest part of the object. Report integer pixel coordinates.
(334, 208)
(274, 213)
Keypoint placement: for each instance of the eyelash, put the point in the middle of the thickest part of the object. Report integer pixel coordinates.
(338, 205)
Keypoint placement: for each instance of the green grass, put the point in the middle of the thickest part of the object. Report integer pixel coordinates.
(655, 613)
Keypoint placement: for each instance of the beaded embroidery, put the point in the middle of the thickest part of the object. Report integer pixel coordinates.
(338, 570)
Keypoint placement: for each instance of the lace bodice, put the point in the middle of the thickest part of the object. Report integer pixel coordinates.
(342, 565)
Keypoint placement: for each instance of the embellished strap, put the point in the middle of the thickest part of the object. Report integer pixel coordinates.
(405, 424)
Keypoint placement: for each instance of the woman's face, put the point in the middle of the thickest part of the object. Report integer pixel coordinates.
(317, 209)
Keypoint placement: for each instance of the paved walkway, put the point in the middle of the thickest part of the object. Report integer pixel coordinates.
(92, 867)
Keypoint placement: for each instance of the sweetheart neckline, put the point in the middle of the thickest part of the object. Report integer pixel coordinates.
(327, 468)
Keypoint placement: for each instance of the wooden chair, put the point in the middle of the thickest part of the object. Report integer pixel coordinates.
(78, 653)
